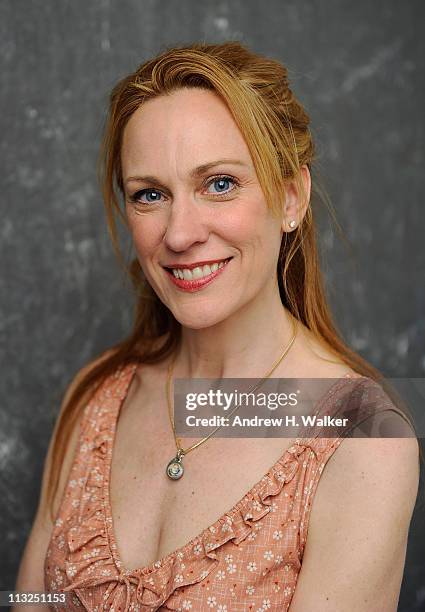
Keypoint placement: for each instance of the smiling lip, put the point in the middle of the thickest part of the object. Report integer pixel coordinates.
(180, 266)
(196, 284)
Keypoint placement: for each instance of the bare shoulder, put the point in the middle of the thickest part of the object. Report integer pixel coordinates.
(365, 465)
(357, 535)
(315, 359)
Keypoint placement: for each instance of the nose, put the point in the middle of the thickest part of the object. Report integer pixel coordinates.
(186, 225)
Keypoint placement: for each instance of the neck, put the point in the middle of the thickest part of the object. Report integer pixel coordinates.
(246, 344)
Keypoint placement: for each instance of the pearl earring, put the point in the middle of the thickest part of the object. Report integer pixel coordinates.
(292, 223)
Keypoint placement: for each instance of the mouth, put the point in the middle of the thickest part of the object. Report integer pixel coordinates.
(196, 276)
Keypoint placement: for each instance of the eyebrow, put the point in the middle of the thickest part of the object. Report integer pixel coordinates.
(195, 173)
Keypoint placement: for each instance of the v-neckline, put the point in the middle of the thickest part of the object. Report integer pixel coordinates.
(112, 543)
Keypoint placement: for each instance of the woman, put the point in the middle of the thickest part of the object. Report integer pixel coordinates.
(212, 154)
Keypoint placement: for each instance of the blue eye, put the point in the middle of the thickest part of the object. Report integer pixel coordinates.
(136, 197)
(221, 180)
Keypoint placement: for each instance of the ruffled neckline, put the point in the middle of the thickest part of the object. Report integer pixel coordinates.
(93, 554)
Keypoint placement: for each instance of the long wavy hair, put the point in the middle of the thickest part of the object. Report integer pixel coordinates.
(276, 129)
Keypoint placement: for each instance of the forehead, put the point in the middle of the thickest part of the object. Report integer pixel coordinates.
(189, 123)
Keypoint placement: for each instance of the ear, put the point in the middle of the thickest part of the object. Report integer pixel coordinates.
(295, 206)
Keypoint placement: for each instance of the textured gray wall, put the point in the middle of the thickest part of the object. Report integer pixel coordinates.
(359, 69)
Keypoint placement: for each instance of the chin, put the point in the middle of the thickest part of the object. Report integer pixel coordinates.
(201, 320)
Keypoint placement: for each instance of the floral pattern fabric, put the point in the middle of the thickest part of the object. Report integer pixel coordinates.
(248, 560)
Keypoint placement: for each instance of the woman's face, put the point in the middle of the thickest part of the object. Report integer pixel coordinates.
(185, 206)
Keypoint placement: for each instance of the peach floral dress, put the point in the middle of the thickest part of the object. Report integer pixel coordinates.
(248, 560)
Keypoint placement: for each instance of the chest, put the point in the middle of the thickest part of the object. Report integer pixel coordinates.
(154, 515)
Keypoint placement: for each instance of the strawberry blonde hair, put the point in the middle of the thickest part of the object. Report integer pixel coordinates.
(275, 127)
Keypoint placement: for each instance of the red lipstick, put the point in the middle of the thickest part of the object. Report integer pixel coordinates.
(191, 266)
(196, 284)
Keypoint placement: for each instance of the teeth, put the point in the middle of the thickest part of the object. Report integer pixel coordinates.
(198, 272)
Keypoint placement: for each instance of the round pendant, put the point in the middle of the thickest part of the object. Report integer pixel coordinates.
(175, 467)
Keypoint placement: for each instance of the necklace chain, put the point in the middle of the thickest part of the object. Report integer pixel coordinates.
(175, 467)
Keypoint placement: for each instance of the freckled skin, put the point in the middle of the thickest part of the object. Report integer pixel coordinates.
(167, 138)
(184, 219)
(179, 218)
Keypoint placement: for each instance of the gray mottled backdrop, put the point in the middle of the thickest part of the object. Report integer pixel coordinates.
(359, 69)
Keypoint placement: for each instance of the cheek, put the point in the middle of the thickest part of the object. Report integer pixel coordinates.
(252, 226)
(146, 233)
(242, 223)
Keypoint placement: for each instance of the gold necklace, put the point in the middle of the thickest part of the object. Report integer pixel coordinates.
(175, 469)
